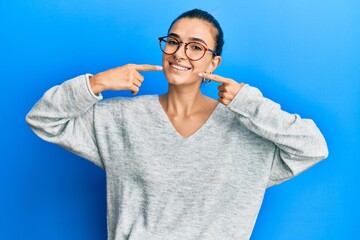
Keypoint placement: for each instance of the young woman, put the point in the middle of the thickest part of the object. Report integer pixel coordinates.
(180, 165)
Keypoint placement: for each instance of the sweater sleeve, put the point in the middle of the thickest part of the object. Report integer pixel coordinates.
(65, 116)
(299, 143)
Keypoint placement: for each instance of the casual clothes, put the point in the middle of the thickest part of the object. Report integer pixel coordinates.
(161, 185)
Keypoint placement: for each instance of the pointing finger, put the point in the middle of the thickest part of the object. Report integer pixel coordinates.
(214, 77)
(147, 67)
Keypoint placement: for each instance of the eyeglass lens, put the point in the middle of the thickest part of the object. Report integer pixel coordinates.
(193, 50)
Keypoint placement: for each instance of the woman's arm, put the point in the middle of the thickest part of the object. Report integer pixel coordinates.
(65, 116)
(299, 143)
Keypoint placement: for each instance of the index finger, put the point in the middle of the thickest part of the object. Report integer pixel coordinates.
(147, 67)
(214, 77)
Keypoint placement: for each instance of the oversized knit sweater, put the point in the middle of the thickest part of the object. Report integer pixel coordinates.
(162, 186)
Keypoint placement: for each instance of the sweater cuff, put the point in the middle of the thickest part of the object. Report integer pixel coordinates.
(76, 94)
(87, 79)
(244, 101)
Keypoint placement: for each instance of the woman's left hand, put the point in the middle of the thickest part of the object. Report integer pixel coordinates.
(227, 90)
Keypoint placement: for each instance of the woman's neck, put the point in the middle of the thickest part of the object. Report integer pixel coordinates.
(182, 100)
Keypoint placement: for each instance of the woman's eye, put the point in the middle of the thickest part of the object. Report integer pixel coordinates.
(197, 47)
(172, 42)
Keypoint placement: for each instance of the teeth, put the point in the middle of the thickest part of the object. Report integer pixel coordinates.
(179, 67)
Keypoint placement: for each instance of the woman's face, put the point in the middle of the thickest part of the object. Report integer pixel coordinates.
(178, 68)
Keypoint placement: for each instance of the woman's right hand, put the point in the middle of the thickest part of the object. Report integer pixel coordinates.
(126, 77)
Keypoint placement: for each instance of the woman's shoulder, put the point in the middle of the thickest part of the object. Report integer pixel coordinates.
(128, 105)
(135, 100)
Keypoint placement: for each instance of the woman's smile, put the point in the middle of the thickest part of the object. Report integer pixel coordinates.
(179, 67)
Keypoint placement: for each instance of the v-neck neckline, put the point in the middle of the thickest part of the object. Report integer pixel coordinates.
(173, 129)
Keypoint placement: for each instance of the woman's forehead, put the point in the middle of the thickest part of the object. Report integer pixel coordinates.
(190, 28)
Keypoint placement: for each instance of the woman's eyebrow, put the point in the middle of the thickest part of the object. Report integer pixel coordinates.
(198, 40)
(191, 39)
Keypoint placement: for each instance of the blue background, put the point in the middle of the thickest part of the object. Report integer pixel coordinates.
(304, 55)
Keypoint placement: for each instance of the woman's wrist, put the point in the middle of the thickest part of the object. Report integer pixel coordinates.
(96, 84)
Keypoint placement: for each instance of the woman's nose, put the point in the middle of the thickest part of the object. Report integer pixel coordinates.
(180, 53)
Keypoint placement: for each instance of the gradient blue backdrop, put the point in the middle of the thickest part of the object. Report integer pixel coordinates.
(303, 54)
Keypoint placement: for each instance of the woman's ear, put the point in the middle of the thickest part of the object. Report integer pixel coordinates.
(215, 62)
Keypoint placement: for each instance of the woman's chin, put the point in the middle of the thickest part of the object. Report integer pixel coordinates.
(180, 80)
(176, 81)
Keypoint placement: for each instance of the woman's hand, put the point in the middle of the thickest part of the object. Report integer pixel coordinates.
(227, 90)
(126, 77)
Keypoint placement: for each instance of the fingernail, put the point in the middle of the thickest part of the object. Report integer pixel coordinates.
(200, 74)
(159, 67)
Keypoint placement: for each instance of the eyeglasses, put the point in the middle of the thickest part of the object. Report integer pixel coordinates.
(193, 50)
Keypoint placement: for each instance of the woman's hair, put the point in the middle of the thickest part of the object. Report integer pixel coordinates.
(207, 17)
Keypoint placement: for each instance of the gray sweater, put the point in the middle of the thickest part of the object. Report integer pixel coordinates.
(161, 185)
